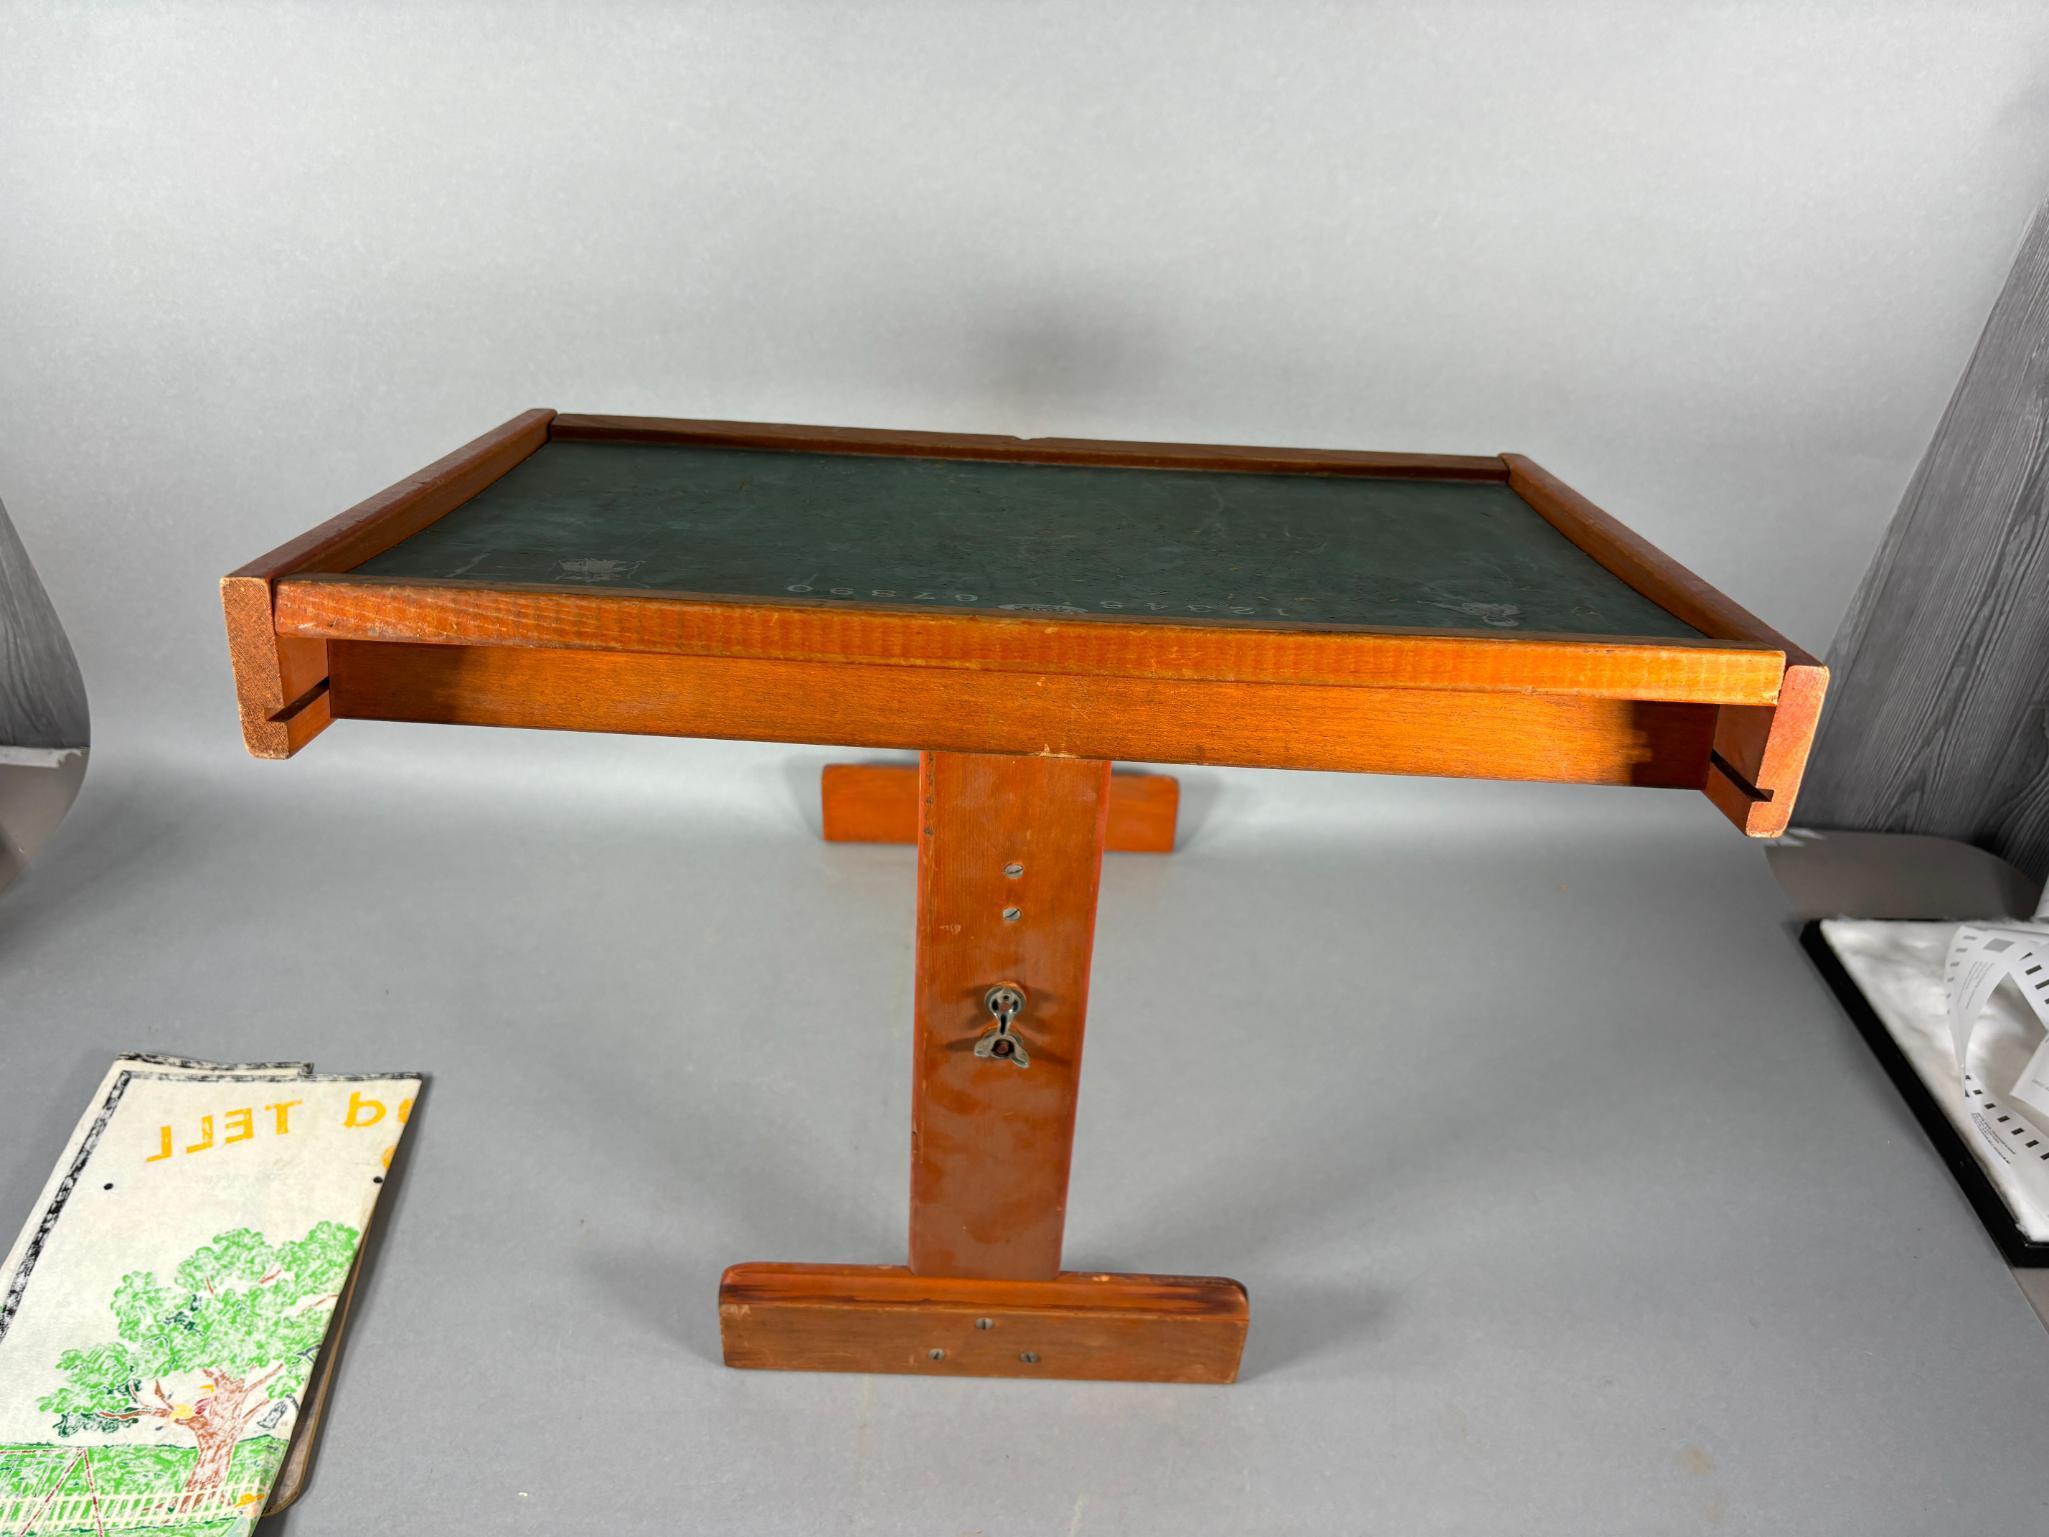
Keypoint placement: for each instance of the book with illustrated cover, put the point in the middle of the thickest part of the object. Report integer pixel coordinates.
(167, 1314)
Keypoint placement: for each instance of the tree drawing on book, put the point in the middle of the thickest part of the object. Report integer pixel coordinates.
(234, 1332)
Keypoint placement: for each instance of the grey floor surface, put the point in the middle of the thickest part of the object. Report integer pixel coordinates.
(1567, 1201)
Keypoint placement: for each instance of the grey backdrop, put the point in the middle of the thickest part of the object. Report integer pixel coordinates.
(1719, 267)
(1597, 1219)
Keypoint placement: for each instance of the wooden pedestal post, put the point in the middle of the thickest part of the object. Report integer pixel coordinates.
(1009, 853)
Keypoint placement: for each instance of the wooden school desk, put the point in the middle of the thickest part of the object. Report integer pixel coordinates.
(1021, 612)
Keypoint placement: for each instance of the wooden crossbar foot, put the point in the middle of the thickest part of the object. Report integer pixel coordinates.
(878, 803)
(887, 1318)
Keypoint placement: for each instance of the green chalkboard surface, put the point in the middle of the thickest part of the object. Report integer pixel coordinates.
(1032, 538)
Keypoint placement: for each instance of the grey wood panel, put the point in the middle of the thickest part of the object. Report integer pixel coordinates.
(42, 696)
(1938, 720)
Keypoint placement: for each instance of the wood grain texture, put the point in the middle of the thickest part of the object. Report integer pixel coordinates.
(971, 445)
(1760, 754)
(1147, 720)
(42, 693)
(991, 1141)
(279, 681)
(1749, 762)
(1940, 723)
(350, 608)
(878, 803)
(886, 1318)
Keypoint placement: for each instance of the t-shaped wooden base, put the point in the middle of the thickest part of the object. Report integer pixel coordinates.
(1009, 853)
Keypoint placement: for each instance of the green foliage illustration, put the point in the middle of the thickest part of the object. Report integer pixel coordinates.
(48, 1489)
(232, 1332)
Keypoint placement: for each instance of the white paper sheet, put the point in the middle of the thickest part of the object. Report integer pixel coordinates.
(1903, 971)
(1981, 958)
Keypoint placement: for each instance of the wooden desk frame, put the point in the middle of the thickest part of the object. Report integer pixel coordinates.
(1017, 718)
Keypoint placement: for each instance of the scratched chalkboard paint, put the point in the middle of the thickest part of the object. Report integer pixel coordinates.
(1030, 538)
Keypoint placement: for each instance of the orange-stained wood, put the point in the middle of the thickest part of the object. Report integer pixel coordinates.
(279, 680)
(976, 445)
(789, 629)
(285, 610)
(885, 1318)
(1017, 717)
(1140, 720)
(1010, 850)
(878, 803)
(1759, 754)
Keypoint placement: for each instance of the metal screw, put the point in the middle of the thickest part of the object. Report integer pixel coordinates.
(985, 1323)
(1029, 1357)
(935, 1354)
(1013, 870)
(1012, 914)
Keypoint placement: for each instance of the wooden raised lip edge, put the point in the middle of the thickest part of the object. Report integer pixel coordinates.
(1120, 619)
(281, 681)
(1627, 554)
(1760, 753)
(342, 606)
(374, 524)
(994, 447)
(1752, 774)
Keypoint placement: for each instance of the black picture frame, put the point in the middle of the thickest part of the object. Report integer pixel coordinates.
(2018, 1249)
